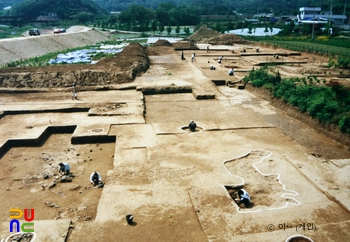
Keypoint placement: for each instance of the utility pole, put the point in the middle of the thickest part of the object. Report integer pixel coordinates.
(313, 26)
(330, 19)
(344, 11)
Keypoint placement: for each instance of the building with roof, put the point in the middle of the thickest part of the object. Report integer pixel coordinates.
(317, 16)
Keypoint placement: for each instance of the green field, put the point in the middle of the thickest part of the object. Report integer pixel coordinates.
(312, 47)
(320, 45)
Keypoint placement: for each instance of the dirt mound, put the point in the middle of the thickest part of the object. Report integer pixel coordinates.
(162, 42)
(122, 68)
(226, 39)
(204, 34)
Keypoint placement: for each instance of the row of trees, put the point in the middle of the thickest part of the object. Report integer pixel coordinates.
(224, 7)
(65, 9)
(166, 14)
(327, 102)
(191, 7)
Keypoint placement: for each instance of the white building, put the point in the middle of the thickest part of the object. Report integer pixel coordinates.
(316, 15)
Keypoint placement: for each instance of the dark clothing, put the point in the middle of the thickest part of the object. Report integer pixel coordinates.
(95, 179)
(129, 219)
(245, 201)
(243, 197)
(192, 126)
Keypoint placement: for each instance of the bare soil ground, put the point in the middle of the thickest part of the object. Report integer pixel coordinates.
(177, 184)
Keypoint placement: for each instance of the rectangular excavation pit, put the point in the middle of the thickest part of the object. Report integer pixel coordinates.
(232, 190)
(233, 193)
(219, 82)
(38, 141)
(25, 185)
(93, 139)
(165, 90)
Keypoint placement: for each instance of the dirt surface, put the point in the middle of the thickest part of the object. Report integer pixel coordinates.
(15, 49)
(122, 68)
(177, 184)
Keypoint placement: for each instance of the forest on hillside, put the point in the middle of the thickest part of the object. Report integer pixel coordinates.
(203, 7)
(6, 3)
(65, 9)
(213, 7)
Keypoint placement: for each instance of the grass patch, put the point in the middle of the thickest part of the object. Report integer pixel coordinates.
(322, 44)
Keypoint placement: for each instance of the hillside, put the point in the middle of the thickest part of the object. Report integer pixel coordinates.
(29, 47)
(65, 9)
(280, 7)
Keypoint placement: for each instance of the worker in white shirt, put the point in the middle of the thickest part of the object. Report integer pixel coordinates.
(243, 197)
(95, 178)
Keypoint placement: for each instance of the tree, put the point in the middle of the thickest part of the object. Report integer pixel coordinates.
(229, 25)
(250, 28)
(161, 28)
(168, 29)
(187, 30)
(177, 30)
(162, 13)
(154, 26)
(65, 9)
(266, 30)
(292, 26)
(340, 91)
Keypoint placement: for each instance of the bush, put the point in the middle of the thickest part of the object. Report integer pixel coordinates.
(326, 103)
(343, 62)
(321, 109)
(261, 77)
(344, 123)
(144, 35)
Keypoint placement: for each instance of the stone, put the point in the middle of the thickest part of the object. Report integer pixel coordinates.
(52, 184)
(74, 187)
(46, 176)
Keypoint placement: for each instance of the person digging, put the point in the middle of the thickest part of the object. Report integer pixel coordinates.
(64, 170)
(192, 126)
(243, 197)
(95, 179)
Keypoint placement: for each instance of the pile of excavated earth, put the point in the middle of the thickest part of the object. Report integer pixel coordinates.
(128, 120)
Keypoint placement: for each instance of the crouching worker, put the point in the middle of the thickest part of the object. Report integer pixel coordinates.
(192, 126)
(95, 179)
(231, 72)
(129, 219)
(243, 197)
(211, 67)
(64, 168)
